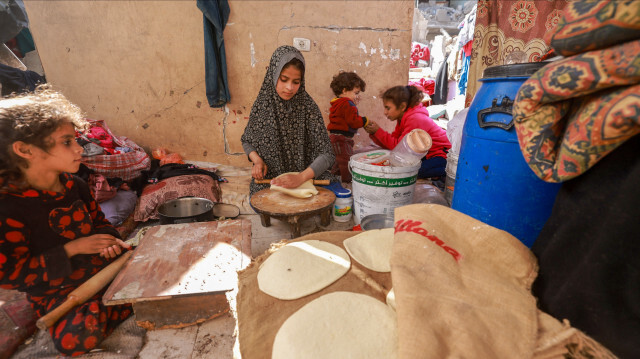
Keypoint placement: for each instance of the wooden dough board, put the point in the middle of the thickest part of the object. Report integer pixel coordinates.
(183, 259)
(276, 204)
(260, 315)
(279, 204)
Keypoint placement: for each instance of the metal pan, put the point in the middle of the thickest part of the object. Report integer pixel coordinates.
(186, 210)
(377, 221)
(226, 211)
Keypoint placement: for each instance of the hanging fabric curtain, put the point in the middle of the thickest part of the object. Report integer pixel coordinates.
(510, 32)
(216, 15)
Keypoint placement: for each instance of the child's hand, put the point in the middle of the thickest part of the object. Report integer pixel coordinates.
(96, 243)
(372, 127)
(114, 250)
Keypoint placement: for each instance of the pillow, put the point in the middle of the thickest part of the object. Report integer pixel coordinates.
(153, 195)
(118, 208)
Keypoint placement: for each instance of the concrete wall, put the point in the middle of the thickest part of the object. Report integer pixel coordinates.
(139, 65)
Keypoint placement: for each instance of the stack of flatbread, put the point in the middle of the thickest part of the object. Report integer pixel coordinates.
(340, 324)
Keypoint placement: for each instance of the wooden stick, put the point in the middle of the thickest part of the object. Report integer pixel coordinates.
(315, 182)
(84, 292)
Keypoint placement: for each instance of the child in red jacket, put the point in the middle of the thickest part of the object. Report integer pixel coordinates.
(404, 105)
(344, 120)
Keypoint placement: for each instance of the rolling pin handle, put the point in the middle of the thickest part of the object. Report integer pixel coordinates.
(52, 317)
(315, 182)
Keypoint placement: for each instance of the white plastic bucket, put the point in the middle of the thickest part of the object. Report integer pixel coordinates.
(380, 189)
(450, 181)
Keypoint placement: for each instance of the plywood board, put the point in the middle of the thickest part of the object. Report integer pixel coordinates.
(179, 312)
(183, 259)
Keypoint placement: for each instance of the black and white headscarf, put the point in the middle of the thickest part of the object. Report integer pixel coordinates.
(287, 134)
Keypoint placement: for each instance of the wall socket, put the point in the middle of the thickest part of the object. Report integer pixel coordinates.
(302, 44)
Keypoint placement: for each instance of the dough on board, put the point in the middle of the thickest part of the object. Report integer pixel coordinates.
(302, 268)
(305, 190)
(372, 248)
(338, 325)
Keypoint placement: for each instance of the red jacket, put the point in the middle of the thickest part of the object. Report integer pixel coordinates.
(344, 117)
(415, 117)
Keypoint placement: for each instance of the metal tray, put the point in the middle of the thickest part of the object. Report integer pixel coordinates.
(377, 221)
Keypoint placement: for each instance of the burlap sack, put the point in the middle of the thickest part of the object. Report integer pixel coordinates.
(560, 340)
(462, 287)
(462, 290)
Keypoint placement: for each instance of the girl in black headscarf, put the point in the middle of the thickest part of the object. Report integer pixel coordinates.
(286, 132)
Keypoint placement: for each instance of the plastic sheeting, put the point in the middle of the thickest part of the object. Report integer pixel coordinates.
(13, 18)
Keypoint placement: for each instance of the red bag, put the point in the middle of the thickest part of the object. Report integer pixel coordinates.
(127, 165)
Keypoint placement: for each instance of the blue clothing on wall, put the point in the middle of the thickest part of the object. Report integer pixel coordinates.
(462, 83)
(216, 15)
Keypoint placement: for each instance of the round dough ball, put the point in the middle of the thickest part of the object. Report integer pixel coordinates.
(372, 249)
(338, 325)
(302, 268)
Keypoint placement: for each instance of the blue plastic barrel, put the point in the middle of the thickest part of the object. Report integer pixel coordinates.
(494, 184)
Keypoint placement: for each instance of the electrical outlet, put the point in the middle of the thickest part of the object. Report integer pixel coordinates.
(302, 44)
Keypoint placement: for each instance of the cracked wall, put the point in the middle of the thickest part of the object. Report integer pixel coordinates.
(139, 65)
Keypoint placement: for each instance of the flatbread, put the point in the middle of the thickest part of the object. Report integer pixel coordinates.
(305, 190)
(302, 268)
(338, 325)
(372, 248)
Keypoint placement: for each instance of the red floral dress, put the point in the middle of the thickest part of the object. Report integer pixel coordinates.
(34, 226)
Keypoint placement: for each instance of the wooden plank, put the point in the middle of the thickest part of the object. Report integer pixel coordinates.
(276, 203)
(179, 312)
(183, 259)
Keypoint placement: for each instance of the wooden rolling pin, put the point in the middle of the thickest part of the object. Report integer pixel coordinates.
(315, 182)
(85, 291)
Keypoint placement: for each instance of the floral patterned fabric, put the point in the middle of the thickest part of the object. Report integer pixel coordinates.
(573, 112)
(153, 195)
(595, 25)
(510, 32)
(288, 135)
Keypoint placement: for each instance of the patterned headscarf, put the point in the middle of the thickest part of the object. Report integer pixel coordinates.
(288, 134)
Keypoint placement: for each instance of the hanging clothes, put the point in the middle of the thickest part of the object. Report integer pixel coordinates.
(467, 27)
(25, 41)
(464, 74)
(216, 15)
(442, 86)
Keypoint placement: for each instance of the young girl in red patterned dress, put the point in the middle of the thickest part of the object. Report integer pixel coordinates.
(53, 236)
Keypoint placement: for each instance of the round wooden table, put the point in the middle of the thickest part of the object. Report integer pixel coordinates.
(276, 204)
